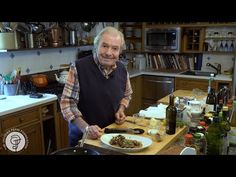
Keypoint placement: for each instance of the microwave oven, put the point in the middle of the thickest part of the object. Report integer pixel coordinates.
(163, 40)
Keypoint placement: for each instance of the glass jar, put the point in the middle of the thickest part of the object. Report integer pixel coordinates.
(140, 61)
(188, 139)
(197, 142)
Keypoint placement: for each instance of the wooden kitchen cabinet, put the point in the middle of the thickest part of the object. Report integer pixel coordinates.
(63, 129)
(190, 84)
(34, 134)
(193, 39)
(38, 123)
(136, 101)
(1, 146)
(28, 121)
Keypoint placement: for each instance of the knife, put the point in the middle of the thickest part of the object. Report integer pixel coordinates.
(124, 130)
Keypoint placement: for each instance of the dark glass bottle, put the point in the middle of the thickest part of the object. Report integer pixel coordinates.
(171, 112)
(211, 100)
(232, 120)
(220, 98)
(214, 137)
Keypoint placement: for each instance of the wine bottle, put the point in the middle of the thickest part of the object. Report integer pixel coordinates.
(171, 113)
(211, 101)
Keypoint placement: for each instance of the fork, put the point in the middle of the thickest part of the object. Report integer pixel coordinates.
(84, 137)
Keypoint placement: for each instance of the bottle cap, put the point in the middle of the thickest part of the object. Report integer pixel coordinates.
(197, 135)
(188, 136)
(234, 103)
(202, 123)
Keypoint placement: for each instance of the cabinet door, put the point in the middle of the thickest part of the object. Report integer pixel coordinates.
(33, 139)
(63, 126)
(2, 151)
(190, 84)
(136, 101)
(147, 103)
(35, 144)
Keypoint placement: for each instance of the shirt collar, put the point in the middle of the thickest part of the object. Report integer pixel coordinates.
(102, 69)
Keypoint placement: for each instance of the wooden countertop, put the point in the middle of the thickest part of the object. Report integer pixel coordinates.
(155, 148)
(182, 93)
(166, 146)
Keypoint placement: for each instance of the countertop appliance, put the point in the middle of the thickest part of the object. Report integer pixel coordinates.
(157, 87)
(166, 40)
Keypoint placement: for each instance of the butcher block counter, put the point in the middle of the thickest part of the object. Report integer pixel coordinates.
(183, 93)
(154, 149)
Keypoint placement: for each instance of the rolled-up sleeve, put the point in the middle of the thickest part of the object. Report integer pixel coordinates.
(128, 92)
(70, 96)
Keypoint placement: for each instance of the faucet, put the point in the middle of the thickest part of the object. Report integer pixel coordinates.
(218, 68)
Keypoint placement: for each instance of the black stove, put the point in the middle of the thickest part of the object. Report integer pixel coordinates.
(53, 88)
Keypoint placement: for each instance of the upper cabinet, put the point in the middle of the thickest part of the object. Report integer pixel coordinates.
(193, 39)
(133, 33)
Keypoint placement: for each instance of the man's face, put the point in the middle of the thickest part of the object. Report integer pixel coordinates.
(109, 49)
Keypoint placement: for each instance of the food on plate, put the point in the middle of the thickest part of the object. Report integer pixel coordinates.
(123, 142)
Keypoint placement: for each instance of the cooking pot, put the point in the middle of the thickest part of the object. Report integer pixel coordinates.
(75, 151)
(39, 80)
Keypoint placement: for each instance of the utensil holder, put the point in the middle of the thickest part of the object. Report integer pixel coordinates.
(9, 89)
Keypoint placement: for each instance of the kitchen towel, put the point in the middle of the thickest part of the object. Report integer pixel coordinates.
(158, 112)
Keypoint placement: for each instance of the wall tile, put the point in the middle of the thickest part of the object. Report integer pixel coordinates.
(226, 62)
(38, 63)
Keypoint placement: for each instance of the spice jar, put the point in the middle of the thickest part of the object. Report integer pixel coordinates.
(188, 139)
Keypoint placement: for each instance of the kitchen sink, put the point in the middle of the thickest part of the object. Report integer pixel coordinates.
(198, 73)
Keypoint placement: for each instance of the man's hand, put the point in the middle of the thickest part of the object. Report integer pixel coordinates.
(120, 115)
(94, 132)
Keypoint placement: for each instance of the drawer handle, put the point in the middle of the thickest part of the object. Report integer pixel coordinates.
(163, 82)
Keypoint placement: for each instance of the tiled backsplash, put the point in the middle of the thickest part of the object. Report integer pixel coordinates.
(226, 61)
(35, 61)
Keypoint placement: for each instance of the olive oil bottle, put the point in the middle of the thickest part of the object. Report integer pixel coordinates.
(171, 112)
(214, 137)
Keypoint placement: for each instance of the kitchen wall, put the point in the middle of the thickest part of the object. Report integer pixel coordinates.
(41, 60)
(226, 61)
(217, 37)
(34, 61)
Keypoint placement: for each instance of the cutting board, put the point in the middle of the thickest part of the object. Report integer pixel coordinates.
(155, 148)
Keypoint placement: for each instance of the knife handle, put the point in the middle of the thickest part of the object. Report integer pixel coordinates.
(109, 130)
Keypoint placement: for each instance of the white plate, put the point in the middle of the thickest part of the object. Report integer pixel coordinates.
(145, 141)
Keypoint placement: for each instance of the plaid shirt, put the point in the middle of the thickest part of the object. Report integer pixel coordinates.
(70, 95)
